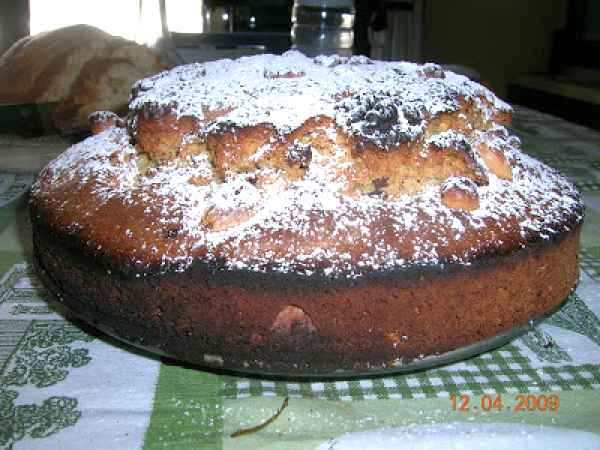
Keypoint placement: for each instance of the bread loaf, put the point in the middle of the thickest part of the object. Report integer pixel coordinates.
(82, 68)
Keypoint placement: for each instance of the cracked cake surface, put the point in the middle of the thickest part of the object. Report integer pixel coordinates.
(339, 165)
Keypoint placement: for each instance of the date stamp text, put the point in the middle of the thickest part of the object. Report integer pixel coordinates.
(497, 402)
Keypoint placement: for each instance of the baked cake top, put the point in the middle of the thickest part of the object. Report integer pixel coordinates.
(384, 102)
(339, 166)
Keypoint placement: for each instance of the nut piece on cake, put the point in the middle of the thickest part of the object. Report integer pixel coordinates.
(460, 193)
(102, 120)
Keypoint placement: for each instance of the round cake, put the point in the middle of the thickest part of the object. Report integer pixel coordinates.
(291, 215)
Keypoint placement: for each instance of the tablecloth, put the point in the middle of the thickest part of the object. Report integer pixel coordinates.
(64, 385)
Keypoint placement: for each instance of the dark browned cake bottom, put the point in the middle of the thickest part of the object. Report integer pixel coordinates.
(284, 323)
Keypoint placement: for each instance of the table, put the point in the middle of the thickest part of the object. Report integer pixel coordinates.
(63, 385)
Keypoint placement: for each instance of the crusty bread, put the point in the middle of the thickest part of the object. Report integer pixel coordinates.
(82, 68)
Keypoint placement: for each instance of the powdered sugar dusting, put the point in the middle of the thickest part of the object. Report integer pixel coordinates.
(390, 101)
(169, 215)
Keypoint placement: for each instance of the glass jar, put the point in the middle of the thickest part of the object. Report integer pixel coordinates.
(323, 27)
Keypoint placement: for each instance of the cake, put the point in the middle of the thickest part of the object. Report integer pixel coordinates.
(298, 216)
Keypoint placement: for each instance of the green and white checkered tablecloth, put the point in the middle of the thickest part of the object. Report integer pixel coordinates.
(63, 385)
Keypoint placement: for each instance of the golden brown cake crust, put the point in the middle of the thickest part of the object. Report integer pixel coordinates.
(290, 324)
(305, 187)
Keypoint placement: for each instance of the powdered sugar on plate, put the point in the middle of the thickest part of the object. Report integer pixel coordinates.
(466, 436)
